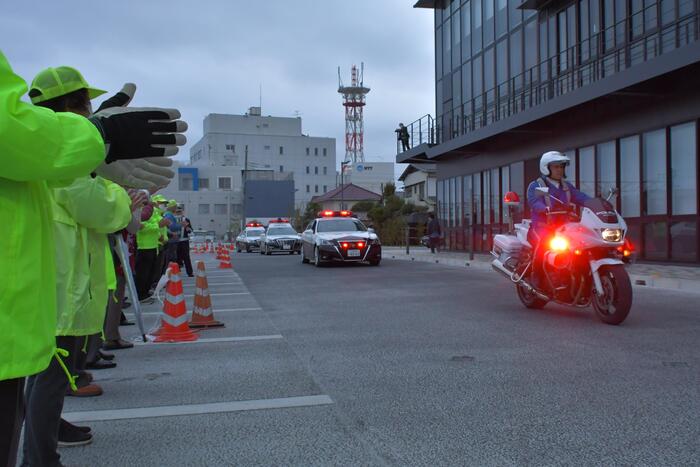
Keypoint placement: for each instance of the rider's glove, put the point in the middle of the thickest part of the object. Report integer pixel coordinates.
(137, 132)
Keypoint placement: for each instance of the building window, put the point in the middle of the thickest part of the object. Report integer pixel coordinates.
(316, 170)
(224, 183)
(185, 182)
(281, 168)
(308, 169)
(267, 147)
(629, 176)
(266, 125)
(683, 169)
(586, 170)
(325, 188)
(203, 209)
(325, 171)
(325, 151)
(281, 150)
(684, 241)
(308, 151)
(315, 151)
(654, 166)
(231, 147)
(308, 189)
(486, 180)
(316, 189)
(220, 209)
(203, 183)
(606, 168)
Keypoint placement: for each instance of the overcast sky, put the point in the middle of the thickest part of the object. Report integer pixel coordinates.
(211, 57)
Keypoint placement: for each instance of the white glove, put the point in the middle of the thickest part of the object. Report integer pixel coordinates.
(151, 173)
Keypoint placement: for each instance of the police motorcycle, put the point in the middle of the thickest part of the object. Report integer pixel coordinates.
(583, 262)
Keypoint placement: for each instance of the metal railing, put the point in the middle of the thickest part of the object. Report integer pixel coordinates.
(419, 132)
(606, 53)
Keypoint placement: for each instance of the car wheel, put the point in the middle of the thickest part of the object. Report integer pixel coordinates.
(247, 249)
(261, 251)
(267, 251)
(303, 257)
(317, 258)
(375, 262)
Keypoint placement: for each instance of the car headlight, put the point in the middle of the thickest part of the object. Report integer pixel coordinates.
(325, 242)
(612, 235)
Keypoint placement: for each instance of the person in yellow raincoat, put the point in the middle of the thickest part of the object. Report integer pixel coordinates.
(38, 145)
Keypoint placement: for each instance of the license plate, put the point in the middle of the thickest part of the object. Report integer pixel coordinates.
(353, 252)
(286, 247)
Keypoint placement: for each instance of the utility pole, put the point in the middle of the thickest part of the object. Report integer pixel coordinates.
(244, 178)
(342, 184)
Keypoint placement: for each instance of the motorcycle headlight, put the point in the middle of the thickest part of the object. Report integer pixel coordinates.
(612, 235)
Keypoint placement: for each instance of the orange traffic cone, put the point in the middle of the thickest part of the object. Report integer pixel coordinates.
(225, 261)
(173, 326)
(202, 313)
(231, 247)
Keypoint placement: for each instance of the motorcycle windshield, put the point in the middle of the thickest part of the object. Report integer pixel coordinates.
(603, 209)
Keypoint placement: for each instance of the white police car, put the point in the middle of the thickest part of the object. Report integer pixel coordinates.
(280, 237)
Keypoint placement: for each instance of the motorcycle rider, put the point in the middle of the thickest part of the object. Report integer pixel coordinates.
(549, 209)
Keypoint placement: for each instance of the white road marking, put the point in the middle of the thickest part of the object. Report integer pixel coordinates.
(221, 294)
(197, 409)
(216, 310)
(214, 340)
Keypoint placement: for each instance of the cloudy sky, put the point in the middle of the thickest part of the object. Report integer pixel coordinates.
(211, 56)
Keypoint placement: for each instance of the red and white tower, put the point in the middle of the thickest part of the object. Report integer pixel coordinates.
(354, 101)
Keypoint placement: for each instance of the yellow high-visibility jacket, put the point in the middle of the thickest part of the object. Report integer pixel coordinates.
(36, 146)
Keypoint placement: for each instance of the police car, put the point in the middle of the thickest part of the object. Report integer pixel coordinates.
(339, 236)
(249, 239)
(280, 236)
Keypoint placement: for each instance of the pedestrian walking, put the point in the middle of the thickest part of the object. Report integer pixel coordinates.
(434, 232)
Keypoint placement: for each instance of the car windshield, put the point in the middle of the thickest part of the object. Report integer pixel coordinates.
(341, 225)
(254, 232)
(281, 231)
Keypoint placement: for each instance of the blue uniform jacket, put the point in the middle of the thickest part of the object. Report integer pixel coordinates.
(538, 205)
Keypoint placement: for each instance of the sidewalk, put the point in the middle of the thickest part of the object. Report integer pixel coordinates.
(660, 276)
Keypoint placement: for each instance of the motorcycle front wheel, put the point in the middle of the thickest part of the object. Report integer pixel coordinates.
(616, 302)
(528, 298)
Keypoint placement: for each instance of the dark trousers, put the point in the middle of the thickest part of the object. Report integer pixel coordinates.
(114, 310)
(170, 255)
(183, 256)
(44, 396)
(147, 267)
(12, 415)
(434, 243)
(404, 144)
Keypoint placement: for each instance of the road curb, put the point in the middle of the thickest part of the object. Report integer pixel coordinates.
(638, 280)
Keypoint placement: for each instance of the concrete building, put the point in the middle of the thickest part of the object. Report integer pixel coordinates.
(273, 143)
(211, 186)
(420, 185)
(611, 83)
(372, 176)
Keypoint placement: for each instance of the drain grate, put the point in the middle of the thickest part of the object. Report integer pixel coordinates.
(676, 364)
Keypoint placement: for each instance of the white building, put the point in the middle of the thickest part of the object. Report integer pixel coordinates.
(420, 185)
(372, 176)
(211, 186)
(273, 143)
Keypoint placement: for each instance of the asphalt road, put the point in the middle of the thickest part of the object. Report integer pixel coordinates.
(402, 364)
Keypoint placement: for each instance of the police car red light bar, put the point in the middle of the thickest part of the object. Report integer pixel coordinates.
(253, 224)
(335, 214)
(279, 221)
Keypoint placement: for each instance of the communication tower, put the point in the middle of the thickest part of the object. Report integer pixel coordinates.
(354, 101)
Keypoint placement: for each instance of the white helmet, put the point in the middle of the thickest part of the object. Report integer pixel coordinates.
(552, 157)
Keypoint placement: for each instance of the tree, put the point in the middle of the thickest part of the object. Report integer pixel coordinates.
(363, 206)
(388, 217)
(310, 213)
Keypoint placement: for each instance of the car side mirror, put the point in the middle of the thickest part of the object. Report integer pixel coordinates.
(370, 230)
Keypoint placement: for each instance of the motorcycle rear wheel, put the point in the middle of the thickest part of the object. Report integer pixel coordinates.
(528, 298)
(615, 305)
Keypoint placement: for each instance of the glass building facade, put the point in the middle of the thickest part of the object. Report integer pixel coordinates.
(514, 79)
